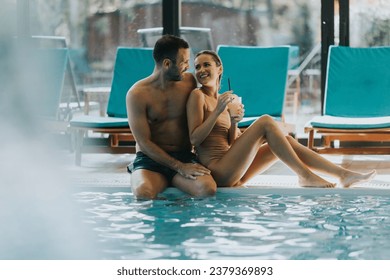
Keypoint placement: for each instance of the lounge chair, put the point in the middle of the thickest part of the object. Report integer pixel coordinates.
(293, 90)
(131, 65)
(42, 75)
(45, 71)
(259, 76)
(37, 85)
(356, 112)
(70, 99)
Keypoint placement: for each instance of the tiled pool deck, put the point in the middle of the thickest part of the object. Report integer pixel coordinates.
(108, 170)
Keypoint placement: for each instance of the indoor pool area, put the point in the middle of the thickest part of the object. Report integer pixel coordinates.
(271, 217)
(103, 103)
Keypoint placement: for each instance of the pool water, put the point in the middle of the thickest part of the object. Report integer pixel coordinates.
(241, 224)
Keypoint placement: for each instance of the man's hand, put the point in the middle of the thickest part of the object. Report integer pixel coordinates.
(192, 170)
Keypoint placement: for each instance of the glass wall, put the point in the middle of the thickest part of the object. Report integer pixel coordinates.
(93, 30)
(369, 23)
(269, 23)
(256, 22)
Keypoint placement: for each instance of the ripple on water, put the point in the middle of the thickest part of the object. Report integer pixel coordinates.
(242, 226)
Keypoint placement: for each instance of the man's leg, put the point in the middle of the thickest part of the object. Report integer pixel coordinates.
(147, 184)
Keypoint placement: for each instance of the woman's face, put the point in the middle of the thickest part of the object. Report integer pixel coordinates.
(206, 70)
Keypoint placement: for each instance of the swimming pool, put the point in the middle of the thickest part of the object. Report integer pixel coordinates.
(256, 223)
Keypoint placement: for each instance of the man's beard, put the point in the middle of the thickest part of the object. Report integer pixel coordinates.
(173, 74)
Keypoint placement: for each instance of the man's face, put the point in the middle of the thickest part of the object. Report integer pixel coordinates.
(178, 67)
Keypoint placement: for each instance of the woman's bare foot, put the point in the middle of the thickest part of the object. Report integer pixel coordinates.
(352, 178)
(314, 181)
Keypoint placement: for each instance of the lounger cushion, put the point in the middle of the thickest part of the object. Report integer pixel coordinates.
(131, 65)
(99, 122)
(358, 82)
(45, 68)
(258, 75)
(350, 123)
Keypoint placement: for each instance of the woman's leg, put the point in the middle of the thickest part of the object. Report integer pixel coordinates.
(319, 163)
(264, 159)
(244, 150)
(313, 160)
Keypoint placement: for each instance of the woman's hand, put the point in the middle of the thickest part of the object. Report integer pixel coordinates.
(237, 118)
(223, 100)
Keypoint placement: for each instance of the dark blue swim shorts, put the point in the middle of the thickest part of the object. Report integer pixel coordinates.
(142, 161)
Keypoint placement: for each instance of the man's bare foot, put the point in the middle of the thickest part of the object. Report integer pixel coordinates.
(314, 181)
(352, 178)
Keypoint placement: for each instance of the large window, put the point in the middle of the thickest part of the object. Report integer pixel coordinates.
(270, 23)
(93, 30)
(370, 23)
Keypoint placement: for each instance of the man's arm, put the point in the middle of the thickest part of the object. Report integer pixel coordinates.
(137, 117)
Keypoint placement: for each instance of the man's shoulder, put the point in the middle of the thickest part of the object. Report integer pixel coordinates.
(140, 86)
(139, 93)
(187, 83)
(187, 76)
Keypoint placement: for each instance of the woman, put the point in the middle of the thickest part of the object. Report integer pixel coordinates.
(235, 157)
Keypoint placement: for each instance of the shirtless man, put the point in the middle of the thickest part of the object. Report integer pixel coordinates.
(156, 109)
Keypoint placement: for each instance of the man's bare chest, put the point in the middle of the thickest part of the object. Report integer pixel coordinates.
(165, 110)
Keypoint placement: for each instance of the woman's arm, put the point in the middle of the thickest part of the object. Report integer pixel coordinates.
(234, 131)
(199, 127)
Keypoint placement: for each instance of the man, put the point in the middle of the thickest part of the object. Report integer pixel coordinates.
(156, 108)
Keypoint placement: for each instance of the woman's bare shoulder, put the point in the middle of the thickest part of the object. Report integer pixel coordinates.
(197, 93)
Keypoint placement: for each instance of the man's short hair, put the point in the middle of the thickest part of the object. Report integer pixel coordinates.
(167, 47)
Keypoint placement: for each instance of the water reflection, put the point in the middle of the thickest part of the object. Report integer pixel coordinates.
(242, 226)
